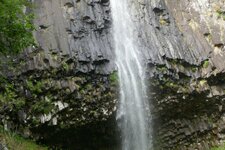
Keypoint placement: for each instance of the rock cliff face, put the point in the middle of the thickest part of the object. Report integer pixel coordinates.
(191, 103)
(67, 85)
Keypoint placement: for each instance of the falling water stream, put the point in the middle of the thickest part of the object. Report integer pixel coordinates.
(132, 112)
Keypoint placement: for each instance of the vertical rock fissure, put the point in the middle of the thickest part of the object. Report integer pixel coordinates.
(133, 111)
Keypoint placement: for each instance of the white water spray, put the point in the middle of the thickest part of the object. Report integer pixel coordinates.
(132, 114)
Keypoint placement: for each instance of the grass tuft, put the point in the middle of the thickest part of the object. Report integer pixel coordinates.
(16, 142)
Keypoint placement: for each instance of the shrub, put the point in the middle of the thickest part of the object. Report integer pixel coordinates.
(15, 26)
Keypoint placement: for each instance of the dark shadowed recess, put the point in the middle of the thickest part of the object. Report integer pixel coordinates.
(98, 136)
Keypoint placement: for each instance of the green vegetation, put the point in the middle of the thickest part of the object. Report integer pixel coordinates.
(161, 68)
(65, 66)
(8, 95)
(206, 64)
(35, 86)
(114, 78)
(163, 21)
(181, 65)
(43, 106)
(194, 69)
(202, 82)
(15, 26)
(15, 142)
(219, 148)
(221, 14)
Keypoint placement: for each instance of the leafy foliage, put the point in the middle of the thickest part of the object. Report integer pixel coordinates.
(15, 26)
(8, 95)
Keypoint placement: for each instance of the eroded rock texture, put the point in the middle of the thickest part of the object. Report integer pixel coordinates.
(64, 89)
(67, 86)
(193, 116)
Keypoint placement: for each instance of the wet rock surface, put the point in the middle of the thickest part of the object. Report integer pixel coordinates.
(67, 83)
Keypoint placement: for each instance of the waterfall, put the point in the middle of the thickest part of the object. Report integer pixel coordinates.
(133, 109)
